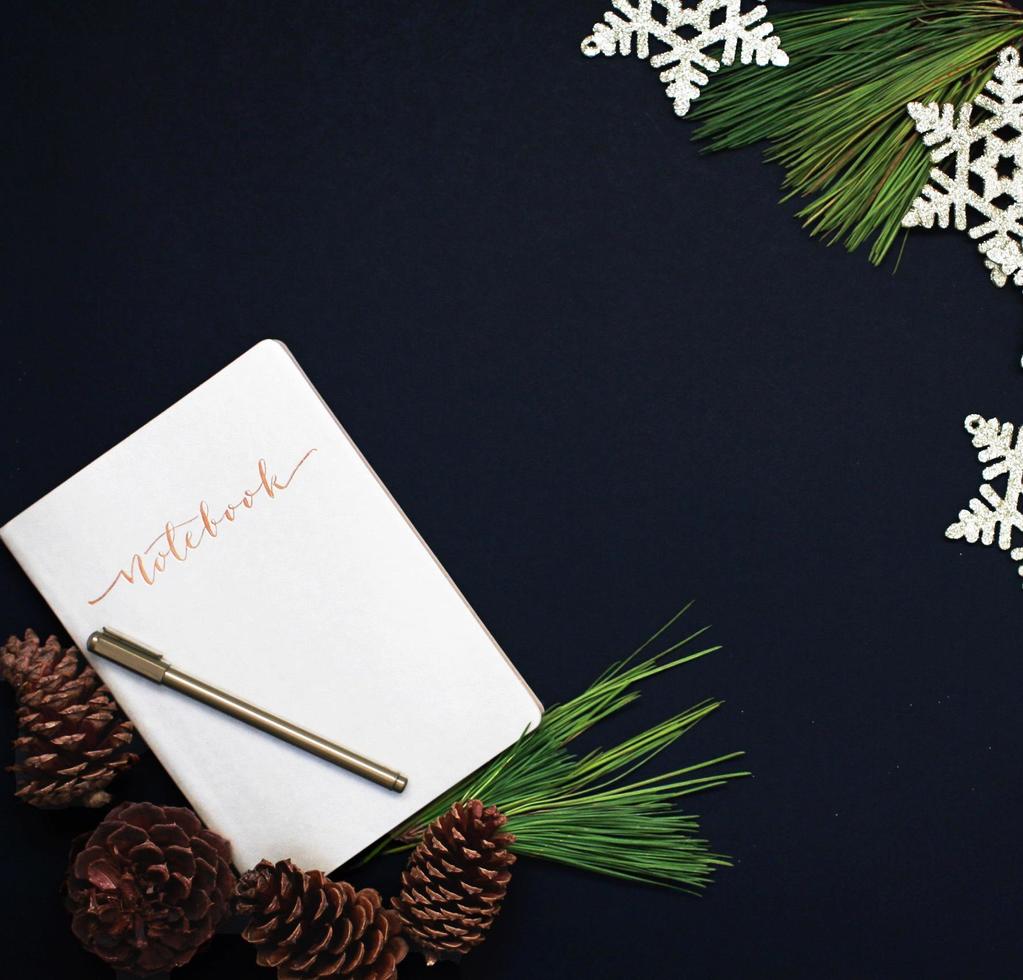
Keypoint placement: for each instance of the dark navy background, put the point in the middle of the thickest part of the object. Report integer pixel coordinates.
(603, 374)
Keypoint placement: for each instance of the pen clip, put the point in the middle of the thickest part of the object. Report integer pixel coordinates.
(128, 653)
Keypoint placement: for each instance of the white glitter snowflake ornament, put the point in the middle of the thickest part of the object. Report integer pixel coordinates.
(983, 172)
(994, 514)
(685, 34)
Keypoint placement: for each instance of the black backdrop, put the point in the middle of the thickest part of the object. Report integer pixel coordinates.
(603, 374)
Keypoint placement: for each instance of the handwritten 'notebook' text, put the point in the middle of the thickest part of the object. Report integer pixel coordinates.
(177, 540)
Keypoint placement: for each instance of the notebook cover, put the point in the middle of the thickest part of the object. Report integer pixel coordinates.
(242, 534)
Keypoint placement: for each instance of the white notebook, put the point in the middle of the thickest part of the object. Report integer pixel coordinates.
(242, 534)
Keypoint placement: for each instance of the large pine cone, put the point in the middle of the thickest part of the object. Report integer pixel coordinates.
(455, 881)
(306, 925)
(148, 887)
(72, 737)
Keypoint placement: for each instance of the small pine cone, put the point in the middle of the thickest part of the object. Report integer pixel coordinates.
(72, 737)
(147, 888)
(307, 926)
(455, 881)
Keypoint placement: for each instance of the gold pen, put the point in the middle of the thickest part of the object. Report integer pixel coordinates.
(151, 665)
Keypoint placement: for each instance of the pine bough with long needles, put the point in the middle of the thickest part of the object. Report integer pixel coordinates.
(583, 810)
(836, 117)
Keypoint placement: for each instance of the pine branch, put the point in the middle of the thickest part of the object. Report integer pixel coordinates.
(582, 810)
(836, 117)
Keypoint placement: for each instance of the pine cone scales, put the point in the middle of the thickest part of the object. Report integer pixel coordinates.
(72, 738)
(307, 925)
(19, 658)
(455, 881)
(147, 888)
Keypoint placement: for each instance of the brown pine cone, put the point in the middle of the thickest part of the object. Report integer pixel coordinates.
(306, 925)
(455, 881)
(147, 888)
(72, 737)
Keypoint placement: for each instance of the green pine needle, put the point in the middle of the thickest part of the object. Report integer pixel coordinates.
(580, 810)
(836, 117)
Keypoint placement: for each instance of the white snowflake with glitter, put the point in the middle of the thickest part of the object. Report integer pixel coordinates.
(995, 514)
(983, 158)
(685, 34)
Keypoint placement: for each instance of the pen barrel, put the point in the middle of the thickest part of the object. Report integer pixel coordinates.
(299, 737)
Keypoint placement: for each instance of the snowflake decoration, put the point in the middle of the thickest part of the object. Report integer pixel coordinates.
(687, 33)
(986, 174)
(994, 513)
